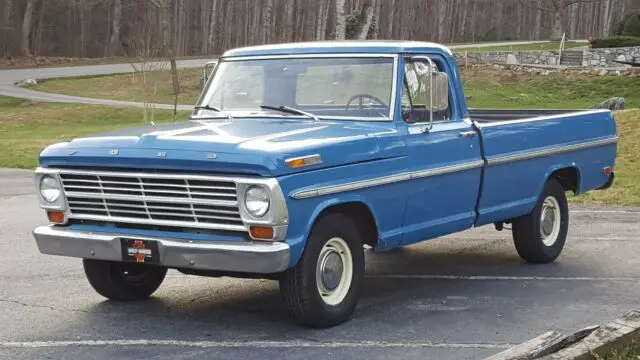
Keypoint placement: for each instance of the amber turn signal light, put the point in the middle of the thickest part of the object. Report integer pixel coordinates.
(56, 217)
(304, 161)
(262, 232)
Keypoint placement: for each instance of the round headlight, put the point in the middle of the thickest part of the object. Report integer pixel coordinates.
(49, 188)
(257, 201)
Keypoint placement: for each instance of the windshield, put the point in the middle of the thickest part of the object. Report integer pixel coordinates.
(355, 88)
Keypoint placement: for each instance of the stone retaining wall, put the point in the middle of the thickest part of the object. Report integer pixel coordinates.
(591, 57)
(606, 57)
(512, 58)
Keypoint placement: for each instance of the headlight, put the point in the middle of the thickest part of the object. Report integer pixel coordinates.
(49, 189)
(257, 201)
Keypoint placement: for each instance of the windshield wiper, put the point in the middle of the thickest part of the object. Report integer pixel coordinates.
(209, 107)
(290, 110)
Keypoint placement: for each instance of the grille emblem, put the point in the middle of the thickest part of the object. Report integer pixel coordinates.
(161, 154)
(114, 151)
(212, 156)
(72, 151)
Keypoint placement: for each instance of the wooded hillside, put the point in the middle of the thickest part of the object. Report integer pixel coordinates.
(97, 28)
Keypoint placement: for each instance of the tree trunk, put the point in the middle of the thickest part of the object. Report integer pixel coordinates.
(38, 37)
(391, 18)
(442, 20)
(537, 23)
(168, 44)
(341, 27)
(321, 27)
(4, 28)
(114, 40)
(213, 23)
(26, 29)
(266, 21)
(367, 19)
(376, 16)
(558, 28)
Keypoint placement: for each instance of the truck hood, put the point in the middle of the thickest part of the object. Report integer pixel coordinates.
(241, 146)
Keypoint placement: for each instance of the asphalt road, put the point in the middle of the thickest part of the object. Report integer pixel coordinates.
(9, 79)
(465, 296)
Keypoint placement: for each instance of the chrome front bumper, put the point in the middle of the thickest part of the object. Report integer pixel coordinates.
(250, 257)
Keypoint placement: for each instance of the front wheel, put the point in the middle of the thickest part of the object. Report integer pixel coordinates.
(322, 290)
(123, 281)
(539, 236)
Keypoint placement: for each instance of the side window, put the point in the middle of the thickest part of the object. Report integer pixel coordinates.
(415, 93)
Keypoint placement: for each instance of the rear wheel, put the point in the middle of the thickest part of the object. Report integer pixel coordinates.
(123, 281)
(540, 236)
(323, 289)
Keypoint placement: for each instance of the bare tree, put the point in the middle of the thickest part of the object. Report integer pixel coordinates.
(213, 22)
(168, 46)
(114, 39)
(341, 26)
(26, 28)
(367, 18)
(95, 28)
(266, 21)
(391, 18)
(556, 8)
(5, 33)
(141, 47)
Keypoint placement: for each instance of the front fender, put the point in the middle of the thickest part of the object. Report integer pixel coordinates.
(300, 225)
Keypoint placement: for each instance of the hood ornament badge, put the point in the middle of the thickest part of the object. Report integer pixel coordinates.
(71, 151)
(114, 152)
(212, 156)
(161, 154)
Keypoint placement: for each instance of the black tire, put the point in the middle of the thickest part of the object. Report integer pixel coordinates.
(299, 285)
(123, 281)
(528, 234)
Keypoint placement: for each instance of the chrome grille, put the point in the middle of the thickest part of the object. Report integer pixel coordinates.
(193, 201)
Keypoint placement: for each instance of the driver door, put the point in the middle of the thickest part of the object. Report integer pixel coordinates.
(444, 157)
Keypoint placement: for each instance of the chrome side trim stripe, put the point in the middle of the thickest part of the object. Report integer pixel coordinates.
(305, 194)
(540, 118)
(498, 160)
(447, 169)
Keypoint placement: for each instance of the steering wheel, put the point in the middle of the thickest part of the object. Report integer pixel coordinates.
(362, 97)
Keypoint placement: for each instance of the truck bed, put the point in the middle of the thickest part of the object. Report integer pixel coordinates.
(523, 147)
(492, 115)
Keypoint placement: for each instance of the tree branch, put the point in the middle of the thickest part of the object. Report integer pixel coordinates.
(528, 3)
(571, 2)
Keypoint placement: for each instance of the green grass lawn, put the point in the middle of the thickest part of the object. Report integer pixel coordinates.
(630, 352)
(488, 88)
(626, 187)
(27, 127)
(547, 46)
(129, 87)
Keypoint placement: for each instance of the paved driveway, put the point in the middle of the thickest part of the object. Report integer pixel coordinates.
(465, 296)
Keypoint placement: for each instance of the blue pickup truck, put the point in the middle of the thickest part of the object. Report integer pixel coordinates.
(299, 156)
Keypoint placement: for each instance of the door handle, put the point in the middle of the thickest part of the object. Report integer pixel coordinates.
(468, 134)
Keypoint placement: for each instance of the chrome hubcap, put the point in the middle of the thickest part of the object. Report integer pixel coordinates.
(550, 221)
(331, 269)
(334, 271)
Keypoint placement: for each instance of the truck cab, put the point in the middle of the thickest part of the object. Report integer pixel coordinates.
(298, 156)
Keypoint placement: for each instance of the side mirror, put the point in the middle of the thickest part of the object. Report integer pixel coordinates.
(440, 88)
(205, 74)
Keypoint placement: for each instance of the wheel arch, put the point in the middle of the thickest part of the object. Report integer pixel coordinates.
(358, 211)
(567, 175)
